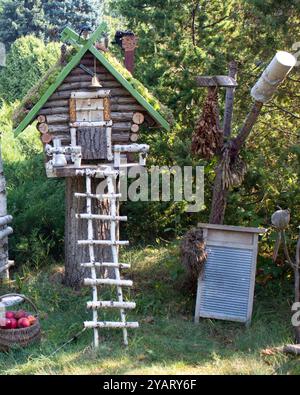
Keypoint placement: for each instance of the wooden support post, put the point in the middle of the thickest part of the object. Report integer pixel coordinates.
(229, 100)
(5, 230)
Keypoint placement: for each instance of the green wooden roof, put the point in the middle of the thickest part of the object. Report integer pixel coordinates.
(83, 46)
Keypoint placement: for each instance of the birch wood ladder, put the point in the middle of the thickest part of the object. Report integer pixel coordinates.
(111, 176)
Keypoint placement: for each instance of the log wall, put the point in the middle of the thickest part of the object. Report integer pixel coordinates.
(123, 105)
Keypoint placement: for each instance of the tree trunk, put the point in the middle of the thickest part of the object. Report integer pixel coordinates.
(219, 200)
(3, 212)
(76, 229)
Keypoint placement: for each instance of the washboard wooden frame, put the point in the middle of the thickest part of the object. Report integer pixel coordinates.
(226, 285)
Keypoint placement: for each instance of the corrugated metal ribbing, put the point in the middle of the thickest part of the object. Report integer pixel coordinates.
(226, 281)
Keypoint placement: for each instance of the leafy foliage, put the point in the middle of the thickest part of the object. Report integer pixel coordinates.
(45, 19)
(28, 60)
(178, 41)
(35, 202)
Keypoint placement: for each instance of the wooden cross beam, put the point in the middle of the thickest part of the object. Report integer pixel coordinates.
(216, 81)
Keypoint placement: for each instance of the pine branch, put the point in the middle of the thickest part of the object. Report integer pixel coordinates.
(194, 13)
(216, 22)
(284, 110)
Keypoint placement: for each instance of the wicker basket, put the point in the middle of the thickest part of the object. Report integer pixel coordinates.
(20, 337)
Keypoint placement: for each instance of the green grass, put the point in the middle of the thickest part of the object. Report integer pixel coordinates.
(167, 342)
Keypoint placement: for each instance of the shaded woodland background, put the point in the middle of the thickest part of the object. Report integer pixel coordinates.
(177, 41)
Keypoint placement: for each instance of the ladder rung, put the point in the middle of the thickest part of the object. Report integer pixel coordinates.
(104, 196)
(106, 264)
(109, 324)
(101, 217)
(103, 242)
(110, 304)
(107, 281)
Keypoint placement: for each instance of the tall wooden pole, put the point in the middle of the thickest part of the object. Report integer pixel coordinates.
(219, 200)
(274, 74)
(76, 229)
(229, 100)
(4, 229)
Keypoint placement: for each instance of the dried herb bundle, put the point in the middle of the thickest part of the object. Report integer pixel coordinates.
(207, 138)
(233, 170)
(193, 254)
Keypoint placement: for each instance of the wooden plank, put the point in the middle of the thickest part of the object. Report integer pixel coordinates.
(55, 103)
(106, 264)
(72, 110)
(107, 281)
(106, 112)
(55, 110)
(102, 242)
(228, 236)
(253, 276)
(82, 77)
(58, 118)
(90, 95)
(199, 285)
(111, 305)
(232, 228)
(93, 142)
(108, 324)
(99, 196)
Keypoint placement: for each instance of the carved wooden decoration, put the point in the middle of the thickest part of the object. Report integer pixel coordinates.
(138, 118)
(106, 109)
(72, 109)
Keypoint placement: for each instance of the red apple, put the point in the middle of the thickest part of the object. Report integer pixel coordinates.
(10, 314)
(31, 319)
(8, 323)
(14, 323)
(23, 323)
(20, 314)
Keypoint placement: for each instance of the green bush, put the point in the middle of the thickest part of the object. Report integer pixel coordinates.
(28, 60)
(35, 202)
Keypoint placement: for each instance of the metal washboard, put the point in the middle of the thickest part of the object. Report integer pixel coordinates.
(226, 285)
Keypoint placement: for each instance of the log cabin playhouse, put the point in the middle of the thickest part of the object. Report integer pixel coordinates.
(89, 120)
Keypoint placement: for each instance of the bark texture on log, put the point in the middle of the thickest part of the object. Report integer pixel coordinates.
(122, 104)
(76, 229)
(3, 213)
(93, 142)
(219, 201)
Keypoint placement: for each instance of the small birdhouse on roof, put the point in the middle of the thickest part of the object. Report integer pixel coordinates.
(93, 104)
